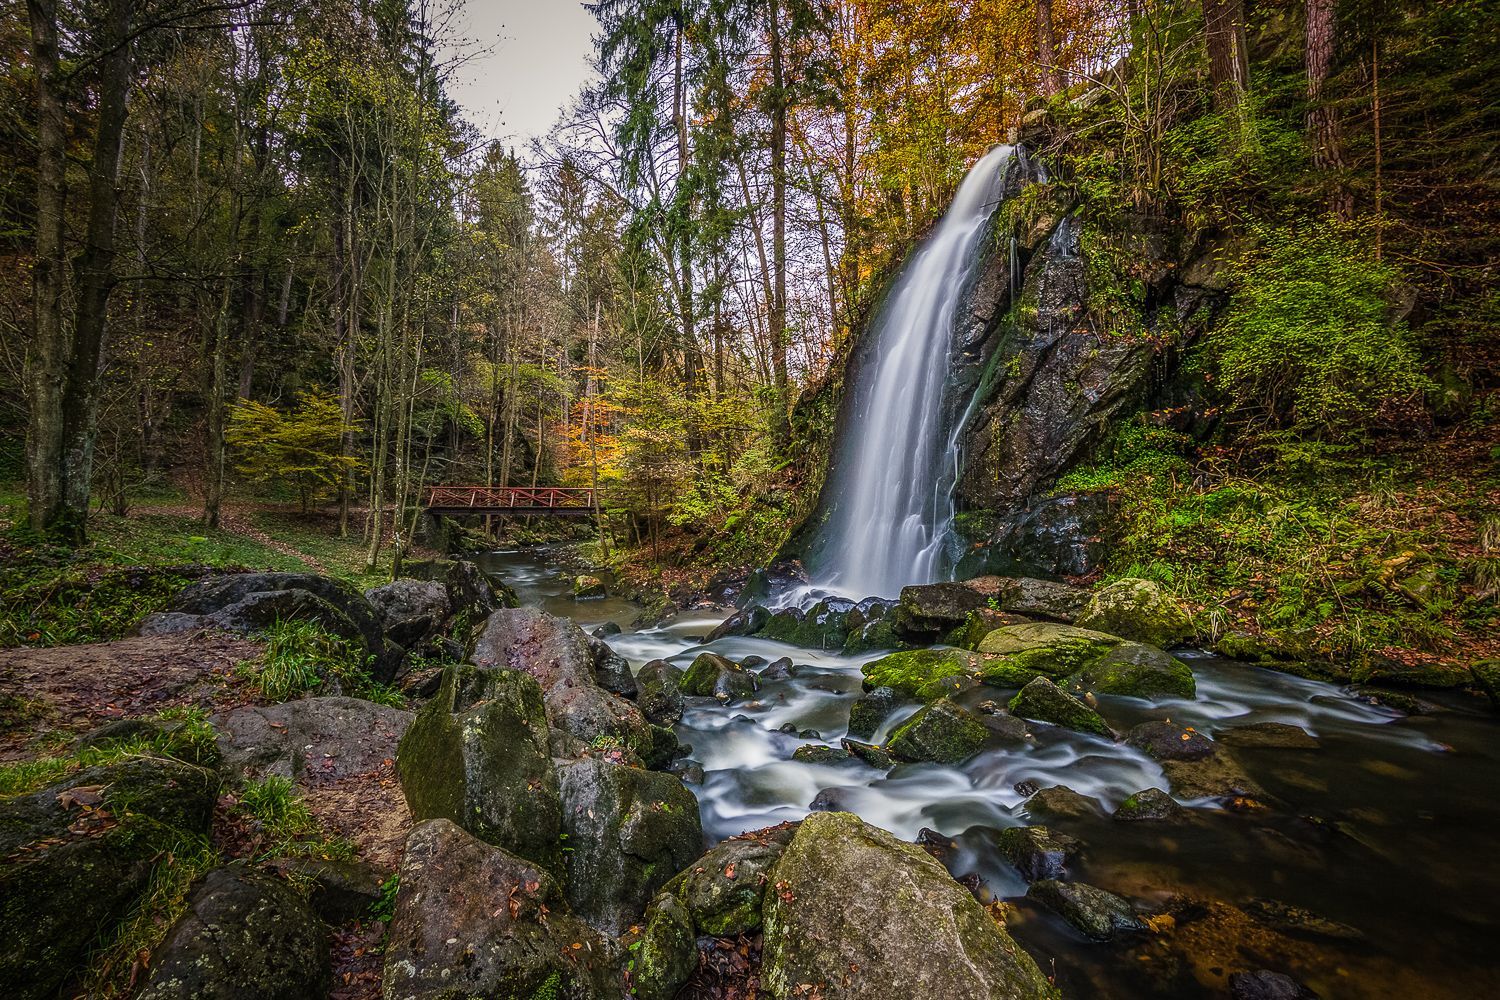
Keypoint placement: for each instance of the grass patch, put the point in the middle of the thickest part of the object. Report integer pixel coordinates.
(285, 826)
(317, 536)
(184, 734)
(302, 657)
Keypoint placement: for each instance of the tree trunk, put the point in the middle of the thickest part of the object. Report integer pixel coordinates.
(1322, 118)
(51, 341)
(779, 424)
(1228, 60)
(1046, 50)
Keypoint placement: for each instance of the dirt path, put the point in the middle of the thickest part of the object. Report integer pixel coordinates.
(72, 689)
(235, 519)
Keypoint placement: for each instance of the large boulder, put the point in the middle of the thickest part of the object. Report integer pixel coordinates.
(855, 914)
(1046, 702)
(715, 676)
(1139, 610)
(1030, 596)
(942, 731)
(226, 601)
(410, 610)
(75, 855)
(628, 832)
(940, 607)
(557, 653)
(723, 890)
(472, 593)
(478, 755)
(246, 935)
(1135, 670)
(472, 920)
(340, 752)
(659, 692)
(1048, 648)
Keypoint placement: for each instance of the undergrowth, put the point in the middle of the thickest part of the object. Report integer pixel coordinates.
(285, 826)
(1374, 554)
(302, 657)
(180, 733)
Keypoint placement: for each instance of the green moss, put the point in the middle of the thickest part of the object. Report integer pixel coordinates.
(1137, 671)
(925, 674)
(1045, 701)
(942, 732)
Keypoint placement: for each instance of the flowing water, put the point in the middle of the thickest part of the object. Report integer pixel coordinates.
(891, 525)
(1389, 827)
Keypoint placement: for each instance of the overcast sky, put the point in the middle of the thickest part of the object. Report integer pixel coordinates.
(526, 59)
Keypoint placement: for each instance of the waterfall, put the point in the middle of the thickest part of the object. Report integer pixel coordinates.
(893, 475)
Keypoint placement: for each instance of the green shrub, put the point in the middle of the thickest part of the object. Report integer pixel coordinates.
(302, 657)
(1309, 340)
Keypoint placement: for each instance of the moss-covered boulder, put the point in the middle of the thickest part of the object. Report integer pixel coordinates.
(1037, 851)
(478, 755)
(940, 607)
(245, 935)
(715, 676)
(1098, 914)
(1149, 805)
(870, 710)
(628, 831)
(1044, 701)
(923, 674)
(659, 692)
(1217, 776)
(1048, 648)
(1136, 670)
(472, 920)
(1029, 596)
(981, 623)
(855, 914)
(1139, 610)
(877, 757)
(559, 655)
(665, 952)
(75, 856)
(724, 889)
(942, 731)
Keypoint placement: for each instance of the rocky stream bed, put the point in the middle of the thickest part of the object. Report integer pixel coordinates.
(1002, 789)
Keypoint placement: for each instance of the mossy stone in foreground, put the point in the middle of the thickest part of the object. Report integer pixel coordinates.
(715, 676)
(75, 855)
(942, 732)
(628, 832)
(245, 935)
(1046, 702)
(478, 754)
(852, 913)
(666, 952)
(724, 889)
(1487, 673)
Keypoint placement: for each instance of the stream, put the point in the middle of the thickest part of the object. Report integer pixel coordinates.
(1389, 827)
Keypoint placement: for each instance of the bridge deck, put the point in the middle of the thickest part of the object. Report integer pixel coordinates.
(512, 501)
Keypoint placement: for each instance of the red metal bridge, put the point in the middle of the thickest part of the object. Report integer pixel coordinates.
(513, 501)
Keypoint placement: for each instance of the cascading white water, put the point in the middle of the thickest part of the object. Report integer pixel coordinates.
(893, 476)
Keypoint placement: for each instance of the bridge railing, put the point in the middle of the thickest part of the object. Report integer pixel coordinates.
(482, 499)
